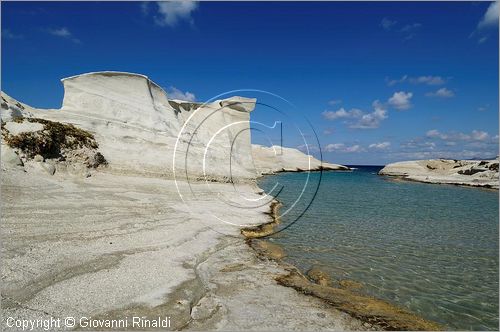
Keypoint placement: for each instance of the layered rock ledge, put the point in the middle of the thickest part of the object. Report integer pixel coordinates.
(476, 173)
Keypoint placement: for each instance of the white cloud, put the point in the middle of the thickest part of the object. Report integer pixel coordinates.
(334, 147)
(63, 32)
(401, 100)
(308, 148)
(174, 93)
(380, 146)
(354, 148)
(341, 147)
(442, 93)
(479, 135)
(475, 135)
(342, 113)
(434, 133)
(360, 119)
(373, 119)
(172, 12)
(387, 24)
(490, 18)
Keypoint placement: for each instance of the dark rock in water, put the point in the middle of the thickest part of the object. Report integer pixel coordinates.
(376, 312)
(494, 167)
(350, 284)
(319, 277)
(267, 249)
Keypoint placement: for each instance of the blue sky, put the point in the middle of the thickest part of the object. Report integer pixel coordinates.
(378, 82)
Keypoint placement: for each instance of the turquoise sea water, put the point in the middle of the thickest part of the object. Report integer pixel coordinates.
(430, 248)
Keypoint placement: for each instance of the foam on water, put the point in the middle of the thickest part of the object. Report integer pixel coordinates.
(430, 248)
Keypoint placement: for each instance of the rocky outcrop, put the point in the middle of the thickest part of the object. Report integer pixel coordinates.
(477, 173)
(270, 160)
(140, 131)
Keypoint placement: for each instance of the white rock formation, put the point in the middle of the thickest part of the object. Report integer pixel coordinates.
(478, 173)
(9, 158)
(269, 160)
(140, 131)
(117, 245)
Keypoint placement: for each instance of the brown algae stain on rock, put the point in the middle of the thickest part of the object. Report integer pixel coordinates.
(367, 309)
(319, 277)
(350, 284)
(233, 267)
(267, 249)
(264, 229)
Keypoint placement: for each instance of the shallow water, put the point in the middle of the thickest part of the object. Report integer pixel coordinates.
(430, 248)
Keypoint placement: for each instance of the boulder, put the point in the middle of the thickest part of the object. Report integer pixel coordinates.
(10, 159)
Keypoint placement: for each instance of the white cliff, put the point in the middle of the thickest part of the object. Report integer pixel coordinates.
(140, 131)
(477, 173)
(269, 160)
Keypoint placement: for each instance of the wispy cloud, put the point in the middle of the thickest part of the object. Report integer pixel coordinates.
(482, 39)
(342, 113)
(6, 33)
(174, 93)
(474, 135)
(64, 32)
(411, 27)
(490, 18)
(441, 93)
(308, 148)
(170, 13)
(483, 108)
(341, 147)
(429, 80)
(407, 31)
(335, 102)
(387, 24)
(401, 100)
(328, 131)
(380, 146)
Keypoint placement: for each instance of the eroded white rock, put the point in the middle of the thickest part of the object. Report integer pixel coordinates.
(477, 173)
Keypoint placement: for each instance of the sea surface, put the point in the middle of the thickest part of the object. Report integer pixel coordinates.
(430, 248)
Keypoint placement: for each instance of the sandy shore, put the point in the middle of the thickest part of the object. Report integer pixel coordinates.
(112, 246)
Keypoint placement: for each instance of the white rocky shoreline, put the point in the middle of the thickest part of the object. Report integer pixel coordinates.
(475, 173)
(98, 222)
